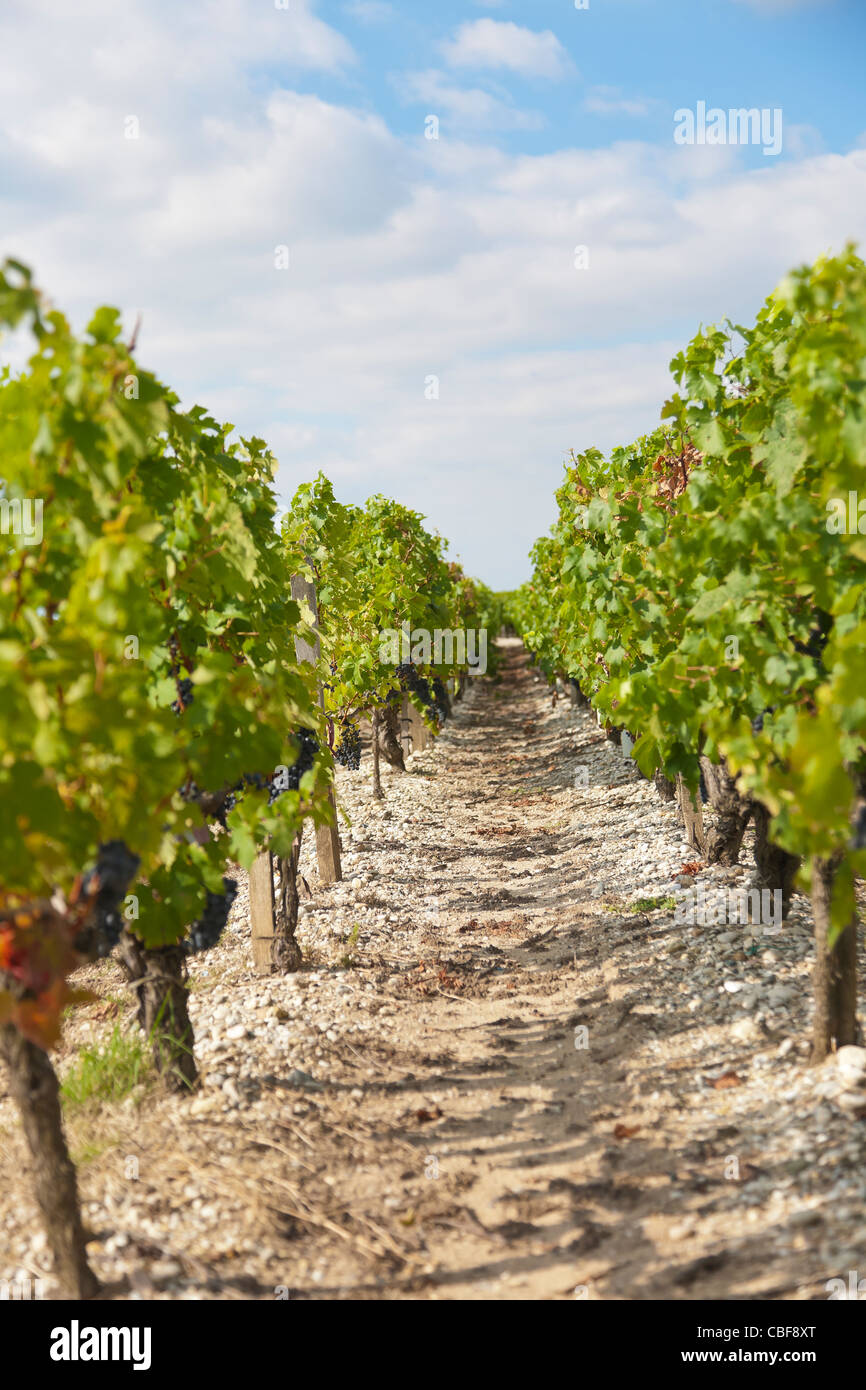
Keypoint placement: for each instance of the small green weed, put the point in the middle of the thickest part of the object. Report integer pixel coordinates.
(108, 1071)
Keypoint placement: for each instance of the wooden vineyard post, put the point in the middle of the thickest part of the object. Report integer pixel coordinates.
(418, 731)
(263, 918)
(414, 734)
(692, 817)
(262, 912)
(327, 836)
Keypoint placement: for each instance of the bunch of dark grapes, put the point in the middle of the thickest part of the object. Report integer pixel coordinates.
(411, 679)
(758, 721)
(859, 840)
(184, 695)
(308, 747)
(433, 699)
(348, 750)
(206, 932)
(704, 797)
(183, 685)
(249, 779)
(440, 700)
(106, 884)
(214, 805)
(817, 640)
(408, 676)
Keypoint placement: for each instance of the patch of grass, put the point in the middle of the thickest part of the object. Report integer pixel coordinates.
(88, 1151)
(349, 961)
(108, 1071)
(621, 909)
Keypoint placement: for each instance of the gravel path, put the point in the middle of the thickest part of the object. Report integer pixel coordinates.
(505, 1072)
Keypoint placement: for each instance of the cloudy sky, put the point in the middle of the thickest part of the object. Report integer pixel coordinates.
(156, 154)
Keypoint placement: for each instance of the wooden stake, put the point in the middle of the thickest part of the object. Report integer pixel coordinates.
(263, 917)
(262, 912)
(418, 730)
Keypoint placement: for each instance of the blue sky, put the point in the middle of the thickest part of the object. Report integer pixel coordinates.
(259, 127)
(807, 58)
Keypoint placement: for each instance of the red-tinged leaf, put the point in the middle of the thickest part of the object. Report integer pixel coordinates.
(40, 1019)
(724, 1083)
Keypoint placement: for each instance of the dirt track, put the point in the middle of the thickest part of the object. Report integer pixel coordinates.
(461, 1137)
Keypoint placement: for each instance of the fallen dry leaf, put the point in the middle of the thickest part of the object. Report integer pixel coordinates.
(625, 1131)
(493, 926)
(424, 982)
(730, 1078)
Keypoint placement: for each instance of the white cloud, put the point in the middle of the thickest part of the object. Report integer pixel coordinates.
(466, 108)
(154, 56)
(803, 141)
(493, 43)
(610, 101)
(408, 258)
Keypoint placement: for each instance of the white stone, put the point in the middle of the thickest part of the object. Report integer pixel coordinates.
(851, 1062)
